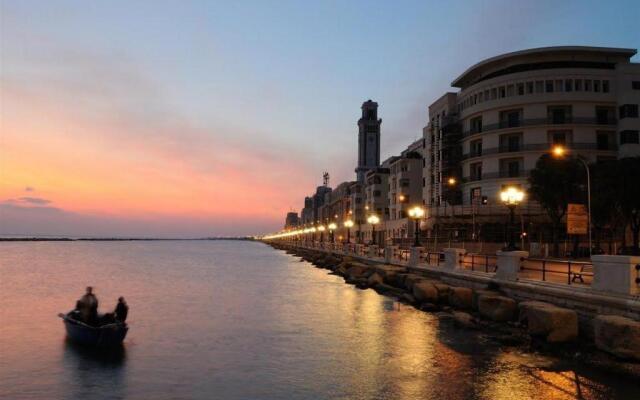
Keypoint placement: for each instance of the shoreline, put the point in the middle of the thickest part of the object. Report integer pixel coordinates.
(407, 287)
(83, 239)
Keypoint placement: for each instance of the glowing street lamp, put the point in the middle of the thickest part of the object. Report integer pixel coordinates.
(452, 181)
(416, 213)
(348, 224)
(373, 220)
(332, 226)
(559, 151)
(511, 197)
(402, 198)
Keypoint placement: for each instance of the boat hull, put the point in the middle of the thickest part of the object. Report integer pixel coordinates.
(104, 336)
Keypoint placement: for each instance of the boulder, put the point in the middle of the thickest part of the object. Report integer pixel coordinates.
(464, 320)
(425, 292)
(497, 308)
(443, 291)
(617, 335)
(430, 307)
(479, 292)
(375, 279)
(461, 297)
(555, 324)
(411, 279)
(355, 270)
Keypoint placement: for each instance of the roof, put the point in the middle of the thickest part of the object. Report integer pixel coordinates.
(466, 78)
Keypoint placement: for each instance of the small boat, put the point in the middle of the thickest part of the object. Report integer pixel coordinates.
(107, 335)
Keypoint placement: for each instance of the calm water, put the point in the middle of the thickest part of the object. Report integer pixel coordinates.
(239, 320)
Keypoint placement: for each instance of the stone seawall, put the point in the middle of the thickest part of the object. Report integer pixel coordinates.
(519, 311)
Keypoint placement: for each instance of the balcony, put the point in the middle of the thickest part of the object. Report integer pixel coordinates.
(509, 124)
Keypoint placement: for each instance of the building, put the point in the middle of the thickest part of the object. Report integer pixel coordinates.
(513, 108)
(368, 139)
(291, 220)
(405, 191)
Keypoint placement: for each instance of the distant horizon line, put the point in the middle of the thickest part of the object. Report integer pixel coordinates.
(53, 238)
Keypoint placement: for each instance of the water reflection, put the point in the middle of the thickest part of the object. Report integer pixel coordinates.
(94, 373)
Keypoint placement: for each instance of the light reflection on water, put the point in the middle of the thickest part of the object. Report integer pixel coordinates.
(237, 320)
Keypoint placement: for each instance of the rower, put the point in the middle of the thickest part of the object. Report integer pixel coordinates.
(88, 306)
(122, 310)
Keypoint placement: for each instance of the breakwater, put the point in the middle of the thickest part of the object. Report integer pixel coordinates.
(612, 341)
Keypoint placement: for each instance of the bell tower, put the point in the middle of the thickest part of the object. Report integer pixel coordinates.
(368, 139)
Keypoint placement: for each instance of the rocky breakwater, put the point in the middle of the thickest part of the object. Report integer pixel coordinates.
(517, 323)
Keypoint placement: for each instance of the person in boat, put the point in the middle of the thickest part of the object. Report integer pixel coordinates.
(122, 310)
(88, 306)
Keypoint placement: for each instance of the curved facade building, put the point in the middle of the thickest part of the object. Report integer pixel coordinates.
(513, 108)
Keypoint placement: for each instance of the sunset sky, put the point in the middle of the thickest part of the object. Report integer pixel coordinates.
(189, 119)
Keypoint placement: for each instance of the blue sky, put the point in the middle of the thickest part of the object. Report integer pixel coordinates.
(283, 80)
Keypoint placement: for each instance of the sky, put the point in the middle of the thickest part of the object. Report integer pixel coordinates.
(193, 119)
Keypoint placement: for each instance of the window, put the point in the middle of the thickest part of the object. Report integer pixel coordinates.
(559, 114)
(377, 180)
(475, 195)
(404, 183)
(587, 85)
(510, 167)
(560, 137)
(539, 87)
(510, 90)
(568, 85)
(503, 92)
(559, 86)
(635, 85)
(577, 85)
(376, 193)
(520, 89)
(605, 86)
(548, 86)
(596, 86)
(476, 148)
(476, 125)
(629, 137)
(476, 171)
(629, 111)
(603, 140)
(494, 94)
(529, 87)
(605, 115)
(510, 118)
(510, 142)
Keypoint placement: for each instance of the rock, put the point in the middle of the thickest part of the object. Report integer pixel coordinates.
(355, 270)
(554, 323)
(428, 307)
(408, 298)
(375, 279)
(412, 279)
(497, 308)
(383, 288)
(479, 292)
(443, 291)
(425, 292)
(617, 335)
(461, 297)
(464, 320)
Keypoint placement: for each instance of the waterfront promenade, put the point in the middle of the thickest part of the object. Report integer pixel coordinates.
(592, 295)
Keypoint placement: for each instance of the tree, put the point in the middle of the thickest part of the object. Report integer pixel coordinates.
(605, 209)
(554, 183)
(626, 188)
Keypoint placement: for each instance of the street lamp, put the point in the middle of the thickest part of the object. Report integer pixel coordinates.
(348, 224)
(373, 220)
(452, 181)
(511, 197)
(416, 213)
(559, 151)
(332, 227)
(321, 230)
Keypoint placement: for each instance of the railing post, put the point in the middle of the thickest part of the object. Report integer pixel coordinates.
(453, 258)
(509, 264)
(414, 256)
(388, 254)
(373, 251)
(615, 274)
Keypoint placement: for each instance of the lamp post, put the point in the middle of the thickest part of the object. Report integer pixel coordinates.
(559, 152)
(348, 224)
(511, 197)
(321, 230)
(373, 220)
(416, 213)
(332, 227)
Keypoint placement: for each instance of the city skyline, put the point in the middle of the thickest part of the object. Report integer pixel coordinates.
(123, 130)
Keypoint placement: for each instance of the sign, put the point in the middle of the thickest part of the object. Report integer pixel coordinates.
(577, 219)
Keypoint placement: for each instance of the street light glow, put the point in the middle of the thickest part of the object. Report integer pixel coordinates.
(452, 181)
(373, 219)
(511, 196)
(332, 226)
(416, 212)
(348, 223)
(558, 151)
(321, 228)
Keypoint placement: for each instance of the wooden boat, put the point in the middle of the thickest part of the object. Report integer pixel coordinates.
(100, 336)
